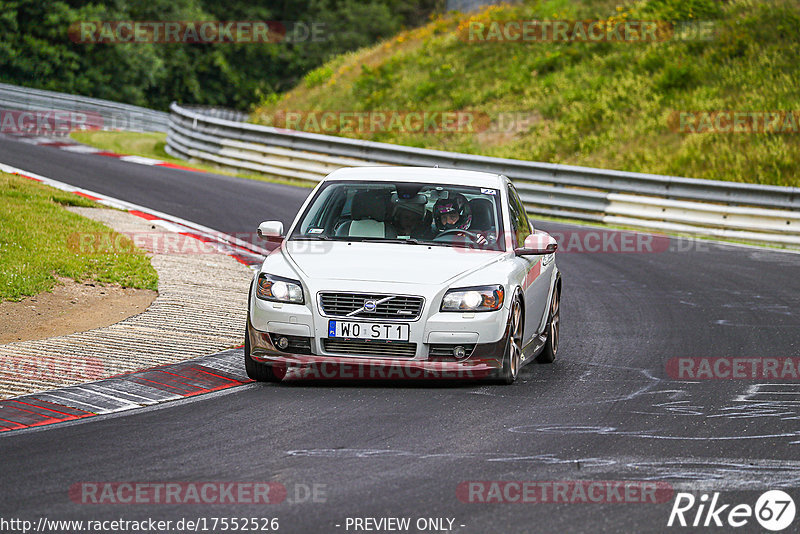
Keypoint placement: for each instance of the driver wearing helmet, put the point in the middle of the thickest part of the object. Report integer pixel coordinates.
(453, 213)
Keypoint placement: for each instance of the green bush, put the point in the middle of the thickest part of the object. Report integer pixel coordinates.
(676, 76)
(318, 76)
(36, 50)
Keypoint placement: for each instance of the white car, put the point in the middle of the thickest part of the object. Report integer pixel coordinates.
(426, 271)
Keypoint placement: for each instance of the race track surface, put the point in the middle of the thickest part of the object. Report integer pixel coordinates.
(606, 410)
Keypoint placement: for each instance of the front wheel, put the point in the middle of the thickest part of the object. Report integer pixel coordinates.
(548, 354)
(512, 359)
(257, 371)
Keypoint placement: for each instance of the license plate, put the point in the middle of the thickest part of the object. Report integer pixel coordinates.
(377, 331)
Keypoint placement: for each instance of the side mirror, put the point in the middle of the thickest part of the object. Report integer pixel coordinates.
(271, 231)
(537, 244)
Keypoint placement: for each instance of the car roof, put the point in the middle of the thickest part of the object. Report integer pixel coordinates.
(418, 174)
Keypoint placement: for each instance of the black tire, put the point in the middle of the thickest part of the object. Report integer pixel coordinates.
(512, 353)
(548, 354)
(260, 372)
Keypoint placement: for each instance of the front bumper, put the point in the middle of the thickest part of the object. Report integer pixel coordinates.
(483, 333)
(485, 361)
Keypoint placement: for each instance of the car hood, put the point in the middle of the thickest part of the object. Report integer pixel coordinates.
(414, 264)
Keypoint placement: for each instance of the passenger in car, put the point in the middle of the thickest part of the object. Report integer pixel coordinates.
(411, 220)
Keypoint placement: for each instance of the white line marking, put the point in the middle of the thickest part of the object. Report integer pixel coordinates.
(141, 160)
(82, 149)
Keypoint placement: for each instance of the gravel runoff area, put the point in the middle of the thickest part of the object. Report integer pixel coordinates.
(200, 309)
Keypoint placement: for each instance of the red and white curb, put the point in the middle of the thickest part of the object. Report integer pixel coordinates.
(125, 392)
(243, 251)
(73, 146)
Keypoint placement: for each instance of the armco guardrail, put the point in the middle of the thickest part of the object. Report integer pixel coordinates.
(220, 113)
(768, 214)
(100, 114)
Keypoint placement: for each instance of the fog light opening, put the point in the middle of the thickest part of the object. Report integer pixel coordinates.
(282, 342)
(459, 352)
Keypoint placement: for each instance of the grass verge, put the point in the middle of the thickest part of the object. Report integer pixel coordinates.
(37, 237)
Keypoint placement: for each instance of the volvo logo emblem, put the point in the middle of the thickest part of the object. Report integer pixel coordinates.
(370, 305)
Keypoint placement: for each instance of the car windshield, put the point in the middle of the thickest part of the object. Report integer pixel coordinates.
(405, 212)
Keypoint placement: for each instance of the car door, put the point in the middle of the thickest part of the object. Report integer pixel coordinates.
(536, 286)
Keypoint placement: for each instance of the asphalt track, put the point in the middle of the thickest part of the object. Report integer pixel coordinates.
(606, 410)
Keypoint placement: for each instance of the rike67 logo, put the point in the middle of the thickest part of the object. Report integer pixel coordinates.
(774, 510)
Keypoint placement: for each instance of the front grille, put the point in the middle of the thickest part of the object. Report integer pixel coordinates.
(393, 349)
(398, 307)
(444, 352)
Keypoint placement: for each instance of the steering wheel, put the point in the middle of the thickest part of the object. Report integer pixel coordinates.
(471, 235)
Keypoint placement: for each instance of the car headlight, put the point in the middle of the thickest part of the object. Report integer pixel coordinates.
(473, 299)
(279, 289)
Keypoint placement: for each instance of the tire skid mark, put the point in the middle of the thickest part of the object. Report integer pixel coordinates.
(566, 429)
(682, 473)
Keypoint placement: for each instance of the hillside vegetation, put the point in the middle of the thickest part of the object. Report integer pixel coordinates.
(600, 104)
(41, 46)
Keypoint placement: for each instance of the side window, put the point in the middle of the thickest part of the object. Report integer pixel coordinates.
(513, 212)
(519, 218)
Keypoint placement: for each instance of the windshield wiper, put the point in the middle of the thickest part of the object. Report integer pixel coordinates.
(410, 240)
(312, 238)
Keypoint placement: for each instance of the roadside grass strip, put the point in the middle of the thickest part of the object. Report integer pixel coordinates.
(35, 249)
